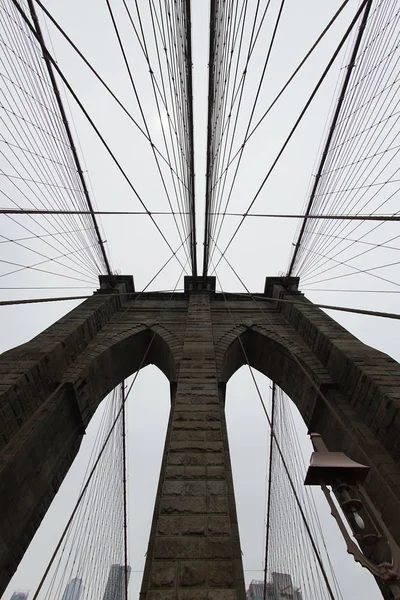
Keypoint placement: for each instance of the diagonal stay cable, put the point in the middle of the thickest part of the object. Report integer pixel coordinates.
(65, 298)
(359, 217)
(359, 311)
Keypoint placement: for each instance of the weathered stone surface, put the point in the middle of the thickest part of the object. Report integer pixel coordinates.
(193, 525)
(195, 594)
(191, 445)
(194, 459)
(175, 472)
(162, 595)
(216, 472)
(219, 525)
(192, 547)
(174, 488)
(183, 505)
(216, 488)
(169, 525)
(221, 595)
(192, 573)
(195, 472)
(163, 574)
(215, 459)
(217, 504)
(184, 435)
(180, 548)
(221, 573)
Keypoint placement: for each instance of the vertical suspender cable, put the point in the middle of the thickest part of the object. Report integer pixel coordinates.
(189, 84)
(207, 223)
(271, 446)
(68, 131)
(331, 131)
(124, 483)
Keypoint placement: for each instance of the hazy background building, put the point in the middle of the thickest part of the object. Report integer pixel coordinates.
(73, 590)
(115, 588)
(19, 595)
(280, 587)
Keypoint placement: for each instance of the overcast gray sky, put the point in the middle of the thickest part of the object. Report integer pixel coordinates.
(262, 248)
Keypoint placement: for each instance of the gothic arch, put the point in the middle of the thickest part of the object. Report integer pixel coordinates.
(268, 353)
(104, 364)
(52, 434)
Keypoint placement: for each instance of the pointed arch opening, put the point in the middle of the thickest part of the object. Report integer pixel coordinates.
(272, 358)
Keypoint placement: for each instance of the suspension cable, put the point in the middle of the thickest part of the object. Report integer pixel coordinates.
(335, 119)
(39, 35)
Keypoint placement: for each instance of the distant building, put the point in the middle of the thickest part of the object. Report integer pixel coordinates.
(115, 588)
(73, 590)
(19, 595)
(279, 588)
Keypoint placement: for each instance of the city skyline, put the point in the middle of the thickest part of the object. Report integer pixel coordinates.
(279, 587)
(115, 588)
(73, 590)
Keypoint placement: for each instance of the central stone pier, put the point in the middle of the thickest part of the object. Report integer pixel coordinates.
(194, 549)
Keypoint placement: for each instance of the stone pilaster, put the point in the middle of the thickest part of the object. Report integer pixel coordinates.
(194, 550)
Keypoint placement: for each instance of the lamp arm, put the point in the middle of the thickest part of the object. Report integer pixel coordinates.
(387, 572)
(394, 548)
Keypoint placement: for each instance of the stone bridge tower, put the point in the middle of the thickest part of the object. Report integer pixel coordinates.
(51, 386)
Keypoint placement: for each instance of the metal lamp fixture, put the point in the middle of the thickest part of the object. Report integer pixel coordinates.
(346, 478)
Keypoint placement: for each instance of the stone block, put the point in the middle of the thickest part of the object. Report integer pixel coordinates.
(198, 446)
(184, 548)
(191, 425)
(218, 548)
(181, 415)
(216, 472)
(196, 594)
(192, 458)
(195, 488)
(221, 573)
(194, 472)
(176, 459)
(175, 472)
(169, 525)
(193, 525)
(216, 458)
(202, 401)
(181, 435)
(216, 488)
(219, 525)
(214, 436)
(192, 573)
(163, 574)
(217, 504)
(174, 488)
(162, 595)
(222, 595)
(183, 506)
